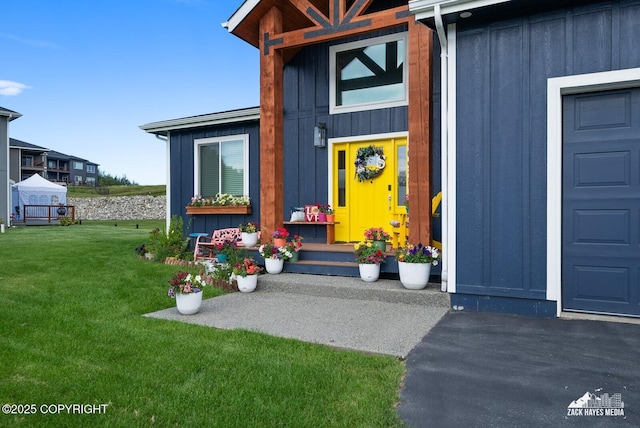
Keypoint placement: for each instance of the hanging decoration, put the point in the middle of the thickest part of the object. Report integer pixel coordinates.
(369, 163)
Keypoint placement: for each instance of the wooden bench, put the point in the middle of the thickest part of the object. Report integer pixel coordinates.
(204, 247)
(331, 230)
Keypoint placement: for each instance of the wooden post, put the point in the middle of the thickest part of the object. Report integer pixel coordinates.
(271, 126)
(420, 109)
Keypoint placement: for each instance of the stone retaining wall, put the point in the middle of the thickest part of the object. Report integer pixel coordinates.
(120, 207)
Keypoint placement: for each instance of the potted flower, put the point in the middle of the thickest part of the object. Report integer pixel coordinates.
(221, 203)
(249, 232)
(294, 247)
(274, 257)
(331, 216)
(323, 211)
(414, 265)
(368, 258)
(378, 236)
(187, 290)
(280, 237)
(224, 250)
(246, 274)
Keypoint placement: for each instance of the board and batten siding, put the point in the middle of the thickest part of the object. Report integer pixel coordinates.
(182, 163)
(306, 104)
(502, 72)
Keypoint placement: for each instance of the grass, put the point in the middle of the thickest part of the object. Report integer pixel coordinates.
(73, 332)
(81, 191)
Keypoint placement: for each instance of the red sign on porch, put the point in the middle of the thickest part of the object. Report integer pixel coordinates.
(311, 212)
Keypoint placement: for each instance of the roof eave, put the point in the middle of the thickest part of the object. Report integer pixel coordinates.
(163, 127)
(239, 15)
(425, 9)
(12, 115)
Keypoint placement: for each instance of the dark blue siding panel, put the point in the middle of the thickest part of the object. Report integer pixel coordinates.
(182, 171)
(551, 63)
(502, 75)
(629, 36)
(506, 305)
(506, 178)
(592, 42)
(472, 242)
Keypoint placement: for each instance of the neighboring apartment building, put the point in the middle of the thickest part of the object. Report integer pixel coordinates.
(26, 159)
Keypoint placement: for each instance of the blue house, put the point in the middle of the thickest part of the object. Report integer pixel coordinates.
(524, 113)
(357, 72)
(6, 116)
(541, 161)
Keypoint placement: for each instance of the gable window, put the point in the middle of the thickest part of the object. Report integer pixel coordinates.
(368, 74)
(221, 165)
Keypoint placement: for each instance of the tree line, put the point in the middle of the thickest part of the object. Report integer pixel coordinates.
(106, 179)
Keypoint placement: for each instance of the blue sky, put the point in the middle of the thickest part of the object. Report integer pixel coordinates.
(86, 74)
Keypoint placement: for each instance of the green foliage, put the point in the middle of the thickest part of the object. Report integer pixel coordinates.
(86, 192)
(223, 271)
(73, 331)
(65, 221)
(105, 179)
(163, 244)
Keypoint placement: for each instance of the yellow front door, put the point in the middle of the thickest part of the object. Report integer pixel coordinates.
(372, 202)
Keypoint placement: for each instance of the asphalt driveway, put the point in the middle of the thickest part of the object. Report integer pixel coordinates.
(490, 370)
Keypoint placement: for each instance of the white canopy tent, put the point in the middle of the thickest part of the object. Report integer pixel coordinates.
(36, 190)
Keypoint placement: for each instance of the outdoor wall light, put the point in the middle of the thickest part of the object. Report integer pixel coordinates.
(320, 135)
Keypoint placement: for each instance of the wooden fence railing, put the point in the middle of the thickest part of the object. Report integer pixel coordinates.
(48, 212)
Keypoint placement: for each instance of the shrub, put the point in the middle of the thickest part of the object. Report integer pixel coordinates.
(163, 244)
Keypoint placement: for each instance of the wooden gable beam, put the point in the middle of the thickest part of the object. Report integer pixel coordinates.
(348, 26)
(311, 12)
(357, 9)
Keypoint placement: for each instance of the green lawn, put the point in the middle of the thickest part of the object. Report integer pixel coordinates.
(91, 192)
(72, 332)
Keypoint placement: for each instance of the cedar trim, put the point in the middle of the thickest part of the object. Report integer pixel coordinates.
(343, 27)
(271, 126)
(310, 11)
(225, 209)
(419, 150)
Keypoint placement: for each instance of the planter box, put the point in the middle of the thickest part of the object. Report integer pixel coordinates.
(243, 209)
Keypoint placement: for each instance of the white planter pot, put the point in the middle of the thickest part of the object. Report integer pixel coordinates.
(369, 272)
(414, 276)
(2, 228)
(247, 284)
(273, 266)
(249, 239)
(189, 303)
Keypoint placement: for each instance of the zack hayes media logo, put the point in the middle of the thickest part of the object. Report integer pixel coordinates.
(591, 405)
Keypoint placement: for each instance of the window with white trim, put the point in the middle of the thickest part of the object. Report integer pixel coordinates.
(221, 165)
(91, 169)
(368, 74)
(78, 165)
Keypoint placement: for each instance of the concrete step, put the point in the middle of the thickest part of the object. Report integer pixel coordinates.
(382, 290)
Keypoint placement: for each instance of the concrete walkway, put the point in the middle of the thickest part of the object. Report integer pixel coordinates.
(380, 317)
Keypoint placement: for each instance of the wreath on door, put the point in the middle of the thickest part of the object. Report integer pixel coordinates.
(369, 163)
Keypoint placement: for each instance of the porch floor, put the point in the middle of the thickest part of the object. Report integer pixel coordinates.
(333, 259)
